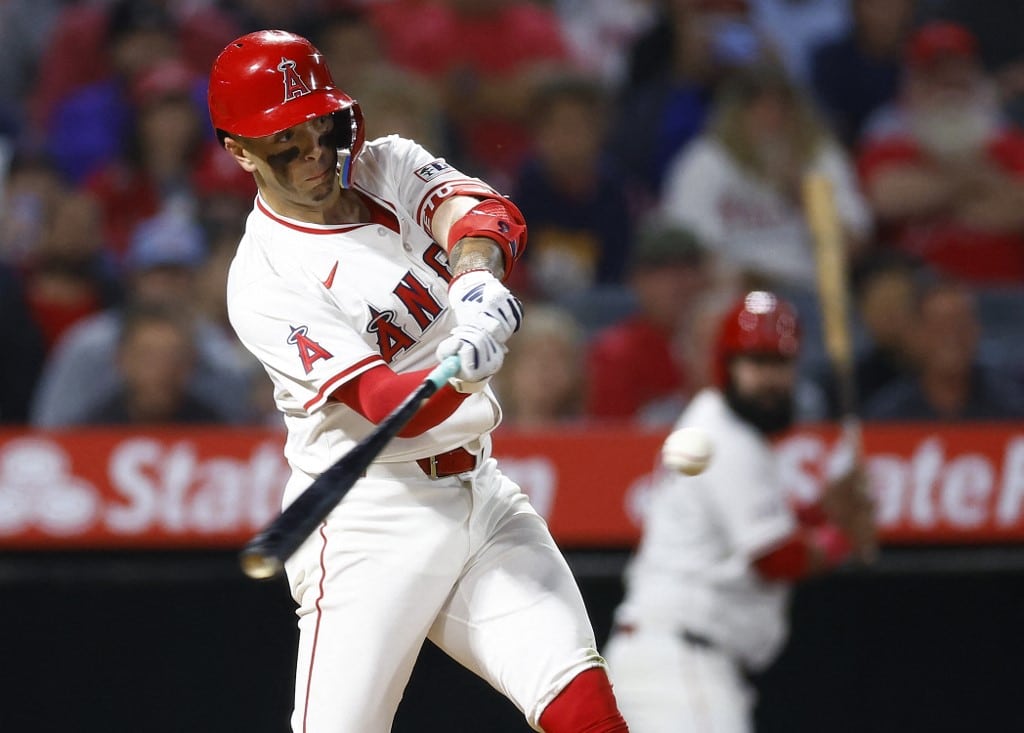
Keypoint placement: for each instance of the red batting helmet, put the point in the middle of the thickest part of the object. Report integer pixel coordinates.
(758, 323)
(268, 81)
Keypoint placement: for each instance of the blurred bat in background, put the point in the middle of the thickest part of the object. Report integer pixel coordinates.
(830, 258)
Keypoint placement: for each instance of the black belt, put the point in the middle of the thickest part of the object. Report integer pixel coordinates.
(690, 637)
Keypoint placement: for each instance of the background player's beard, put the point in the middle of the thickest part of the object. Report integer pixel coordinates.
(770, 412)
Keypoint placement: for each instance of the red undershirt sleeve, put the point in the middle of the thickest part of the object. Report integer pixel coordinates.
(375, 393)
(790, 560)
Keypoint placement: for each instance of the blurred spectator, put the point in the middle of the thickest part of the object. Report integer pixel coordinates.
(997, 25)
(674, 69)
(580, 226)
(943, 174)
(156, 168)
(90, 122)
(738, 185)
(796, 27)
(636, 367)
(886, 292)
(66, 276)
(352, 47)
(397, 102)
(21, 358)
(485, 56)
(230, 356)
(224, 191)
(706, 314)
(84, 46)
(155, 359)
(24, 28)
(541, 382)
(856, 74)
(31, 193)
(600, 32)
(166, 256)
(950, 383)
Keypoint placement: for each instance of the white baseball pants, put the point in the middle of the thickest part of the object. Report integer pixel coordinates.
(664, 684)
(464, 561)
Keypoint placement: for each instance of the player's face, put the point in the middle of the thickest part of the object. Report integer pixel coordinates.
(295, 169)
(765, 379)
(761, 390)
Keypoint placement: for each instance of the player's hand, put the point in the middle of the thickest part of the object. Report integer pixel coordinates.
(477, 297)
(848, 503)
(480, 354)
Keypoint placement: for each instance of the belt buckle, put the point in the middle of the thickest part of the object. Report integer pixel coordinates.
(433, 467)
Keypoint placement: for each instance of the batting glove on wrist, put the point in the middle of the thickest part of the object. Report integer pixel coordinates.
(478, 297)
(480, 354)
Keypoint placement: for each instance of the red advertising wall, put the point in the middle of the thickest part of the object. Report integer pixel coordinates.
(179, 488)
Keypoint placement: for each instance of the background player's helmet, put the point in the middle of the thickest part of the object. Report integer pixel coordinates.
(758, 323)
(268, 81)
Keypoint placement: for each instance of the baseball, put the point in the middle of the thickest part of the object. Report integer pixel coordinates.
(687, 450)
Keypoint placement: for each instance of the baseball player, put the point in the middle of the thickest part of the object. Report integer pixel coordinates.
(362, 264)
(707, 589)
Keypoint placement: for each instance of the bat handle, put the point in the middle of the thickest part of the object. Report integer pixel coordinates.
(444, 371)
(853, 435)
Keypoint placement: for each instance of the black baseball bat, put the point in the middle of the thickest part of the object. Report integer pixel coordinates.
(264, 555)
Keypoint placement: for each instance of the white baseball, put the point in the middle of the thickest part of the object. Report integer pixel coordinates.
(687, 450)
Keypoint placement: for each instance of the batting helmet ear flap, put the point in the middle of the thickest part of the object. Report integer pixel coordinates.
(348, 138)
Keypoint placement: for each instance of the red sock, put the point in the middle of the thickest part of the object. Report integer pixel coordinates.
(586, 705)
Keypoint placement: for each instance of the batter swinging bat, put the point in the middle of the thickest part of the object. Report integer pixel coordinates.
(264, 555)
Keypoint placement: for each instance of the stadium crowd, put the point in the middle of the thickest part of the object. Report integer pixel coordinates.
(656, 148)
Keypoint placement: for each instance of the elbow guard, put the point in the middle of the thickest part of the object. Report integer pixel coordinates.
(497, 219)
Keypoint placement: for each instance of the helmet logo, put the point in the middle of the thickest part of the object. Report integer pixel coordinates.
(294, 87)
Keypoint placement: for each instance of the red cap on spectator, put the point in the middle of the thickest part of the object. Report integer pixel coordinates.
(218, 174)
(170, 78)
(939, 40)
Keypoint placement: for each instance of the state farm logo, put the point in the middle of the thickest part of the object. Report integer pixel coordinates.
(38, 490)
(141, 487)
(933, 486)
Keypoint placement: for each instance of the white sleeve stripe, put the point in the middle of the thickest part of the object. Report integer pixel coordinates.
(358, 368)
(463, 186)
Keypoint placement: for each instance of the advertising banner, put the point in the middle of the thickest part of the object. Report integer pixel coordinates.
(210, 488)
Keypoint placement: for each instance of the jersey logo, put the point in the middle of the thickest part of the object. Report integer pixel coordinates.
(437, 260)
(329, 280)
(432, 170)
(294, 87)
(309, 350)
(391, 338)
(416, 298)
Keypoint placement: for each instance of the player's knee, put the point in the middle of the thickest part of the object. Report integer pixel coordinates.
(585, 705)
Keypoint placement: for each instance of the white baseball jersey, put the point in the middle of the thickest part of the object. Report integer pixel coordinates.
(320, 304)
(693, 570)
(692, 578)
(463, 560)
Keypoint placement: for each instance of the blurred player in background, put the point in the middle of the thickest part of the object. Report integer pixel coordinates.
(349, 295)
(706, 592)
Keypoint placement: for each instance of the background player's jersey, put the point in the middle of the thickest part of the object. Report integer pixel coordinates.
(693, 568)
(320, 304)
